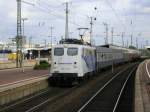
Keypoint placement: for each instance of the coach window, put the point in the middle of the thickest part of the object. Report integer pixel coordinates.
(72, 51)
(59, 51)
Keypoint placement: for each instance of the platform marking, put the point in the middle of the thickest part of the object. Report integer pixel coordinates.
(16, 82)
(147, 70)
(14, 68)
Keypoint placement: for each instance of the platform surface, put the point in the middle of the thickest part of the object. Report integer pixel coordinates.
(8, 76)
(142, 87)
(12, 64)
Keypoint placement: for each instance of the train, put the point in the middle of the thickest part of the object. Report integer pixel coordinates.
(74, 60)
(6, 55)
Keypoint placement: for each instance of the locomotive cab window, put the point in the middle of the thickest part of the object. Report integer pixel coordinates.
(59, 51)
(72, 51)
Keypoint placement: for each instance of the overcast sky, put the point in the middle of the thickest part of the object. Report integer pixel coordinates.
(47, 13)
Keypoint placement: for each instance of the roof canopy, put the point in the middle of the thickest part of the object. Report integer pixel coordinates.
(148, 47)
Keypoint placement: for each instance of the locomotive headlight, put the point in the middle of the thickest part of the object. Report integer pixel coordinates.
(75, 65)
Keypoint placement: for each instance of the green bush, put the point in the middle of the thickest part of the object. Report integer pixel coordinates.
(43, 62)
(42, 66)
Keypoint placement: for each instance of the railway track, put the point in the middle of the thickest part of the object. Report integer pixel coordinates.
(42, 98)
(51, 100)
(109, 97)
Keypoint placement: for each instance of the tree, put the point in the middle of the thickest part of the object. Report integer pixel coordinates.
(132, 47)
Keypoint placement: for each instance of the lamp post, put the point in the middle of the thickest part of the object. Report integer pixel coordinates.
(22, 42)
(19, 33)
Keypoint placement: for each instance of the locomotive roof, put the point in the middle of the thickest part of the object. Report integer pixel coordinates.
(73, 41)
(72, 45)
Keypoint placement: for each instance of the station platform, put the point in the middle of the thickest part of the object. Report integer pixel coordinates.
(15, 84)
(12, 64)
(142, 87)
(8, 76)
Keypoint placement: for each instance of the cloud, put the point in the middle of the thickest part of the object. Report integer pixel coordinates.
(139, 7)
(146, 10)
(52, 12)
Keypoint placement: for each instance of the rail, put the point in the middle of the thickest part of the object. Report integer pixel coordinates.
(122, 89)
(106, 85)
(99, 91)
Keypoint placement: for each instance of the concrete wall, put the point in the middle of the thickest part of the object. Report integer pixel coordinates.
(13, 93)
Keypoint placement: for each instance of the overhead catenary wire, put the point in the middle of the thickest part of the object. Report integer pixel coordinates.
(117, 16)
(51, 10)
(46, 10)
(53, 13)
(56, 11)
